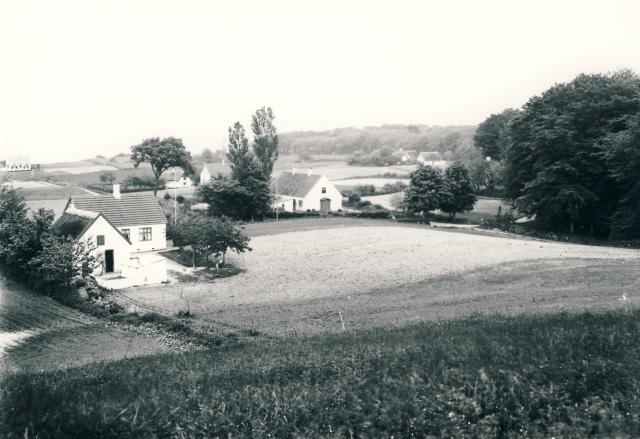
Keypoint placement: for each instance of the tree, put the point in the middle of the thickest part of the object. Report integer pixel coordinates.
(265, 143)
(493, 135)
(63, 258)
(397, 200)
(107, 178)
(246, 200)
(556, 168)
(162, 154)
(458, 191)
(425, 190)
(210, 236)
(207, 156)
(239, 154)
(622, 153)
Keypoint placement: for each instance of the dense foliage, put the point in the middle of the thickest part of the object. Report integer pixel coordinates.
(457, 140)
(32, 253)
(458, 191)
(430, 189)
(569, 376)
(162, 154)
(573, 158)
(210, 236)
(493, 136)
(265, 139)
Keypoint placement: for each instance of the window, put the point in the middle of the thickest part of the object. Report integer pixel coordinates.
(324, 190)
(300, 203)
(145, 234)
(100, 239)
(126, 233)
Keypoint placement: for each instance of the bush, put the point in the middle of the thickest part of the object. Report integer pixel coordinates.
(180, 199)
(167, 196)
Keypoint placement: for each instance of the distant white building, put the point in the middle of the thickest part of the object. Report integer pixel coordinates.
(207, 173)
(124, 227)
(302, 191)
(433, 159)
(14, 164)
(180, 180)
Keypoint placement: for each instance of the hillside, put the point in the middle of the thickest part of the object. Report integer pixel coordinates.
(455, 141)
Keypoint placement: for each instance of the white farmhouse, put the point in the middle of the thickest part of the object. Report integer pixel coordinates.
(207, 173)
(433, 159)
(301, 191)
(124, 228)
(180, 181)
(137, 215)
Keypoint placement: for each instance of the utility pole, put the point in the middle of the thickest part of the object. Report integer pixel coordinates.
(277, 199)
(175, 197)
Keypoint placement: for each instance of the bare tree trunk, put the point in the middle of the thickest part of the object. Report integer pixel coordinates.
(193, 251)
(223, 258)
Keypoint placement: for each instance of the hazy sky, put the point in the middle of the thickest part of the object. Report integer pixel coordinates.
(87, 77)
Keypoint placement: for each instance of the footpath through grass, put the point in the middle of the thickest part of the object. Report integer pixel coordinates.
(559, 375)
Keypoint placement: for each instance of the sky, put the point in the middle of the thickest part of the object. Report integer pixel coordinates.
(87, 77)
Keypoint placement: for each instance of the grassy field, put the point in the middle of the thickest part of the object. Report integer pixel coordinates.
(299, 280)
(569, 376)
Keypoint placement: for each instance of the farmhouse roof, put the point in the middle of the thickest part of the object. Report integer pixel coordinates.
(72, 225)
(132, 209)
(295, 185)
(429, 156)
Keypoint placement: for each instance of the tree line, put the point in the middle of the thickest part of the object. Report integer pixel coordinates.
(570, 157)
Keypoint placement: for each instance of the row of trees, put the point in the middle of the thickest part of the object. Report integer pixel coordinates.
(245, 194)
(571, 156)
(31, 252)
(431, 189)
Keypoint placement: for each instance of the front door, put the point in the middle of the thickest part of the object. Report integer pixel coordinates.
(325, 205)
(108, 261)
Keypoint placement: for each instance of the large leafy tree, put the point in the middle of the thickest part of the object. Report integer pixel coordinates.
(458, 191)
(555, 167)
(265, 144)
(622, 154)
(211, 236)
(493, 135)
(239, 154)
(425, 190)
(162, 154)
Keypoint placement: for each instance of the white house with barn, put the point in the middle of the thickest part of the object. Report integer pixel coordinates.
(301, 191)
(433, 159)
(126, 229)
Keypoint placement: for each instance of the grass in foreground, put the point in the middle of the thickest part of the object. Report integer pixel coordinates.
(560, 375)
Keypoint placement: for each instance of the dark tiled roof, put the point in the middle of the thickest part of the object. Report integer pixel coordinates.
(71, 225)
(295, 185)
(132, 209)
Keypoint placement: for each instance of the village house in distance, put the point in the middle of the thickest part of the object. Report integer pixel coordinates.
(127, 230)
(302, 191)
(14, 164)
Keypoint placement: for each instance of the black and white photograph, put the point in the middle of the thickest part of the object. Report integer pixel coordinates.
(319, 219)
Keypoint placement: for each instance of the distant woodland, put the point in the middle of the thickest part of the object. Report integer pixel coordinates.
(453, 142)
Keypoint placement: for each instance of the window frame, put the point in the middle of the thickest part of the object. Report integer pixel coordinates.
(324, 190)
(126, 233)
(142, 234)
(98, 239)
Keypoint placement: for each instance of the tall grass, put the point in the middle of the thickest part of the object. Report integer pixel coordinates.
(560, 375)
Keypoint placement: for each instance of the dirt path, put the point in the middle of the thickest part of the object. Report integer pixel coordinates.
(37, 333)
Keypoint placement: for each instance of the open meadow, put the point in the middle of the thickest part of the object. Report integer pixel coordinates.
(299, 281)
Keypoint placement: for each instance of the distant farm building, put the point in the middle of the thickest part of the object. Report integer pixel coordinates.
(432, 158)
(180, 179)
(14, 164)
(211, 170)
(302, 191)
(408, 156)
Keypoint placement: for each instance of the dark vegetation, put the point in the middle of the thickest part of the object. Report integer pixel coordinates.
(570, 157)
(564, 375)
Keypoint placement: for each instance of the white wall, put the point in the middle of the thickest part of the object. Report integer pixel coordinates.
(204, 176)
(312, 200)
(158, 237)
(112, 241)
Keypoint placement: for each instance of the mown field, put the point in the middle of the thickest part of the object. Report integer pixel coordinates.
(563, 375)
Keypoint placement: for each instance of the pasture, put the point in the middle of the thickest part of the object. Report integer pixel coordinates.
(299, 280)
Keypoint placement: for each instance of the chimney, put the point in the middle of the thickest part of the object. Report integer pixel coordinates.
(116, 190)
(294, 170)
(309, 171)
